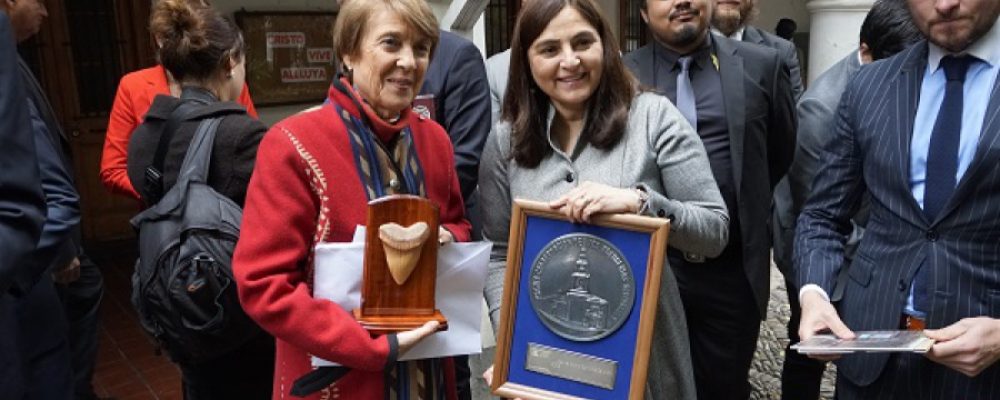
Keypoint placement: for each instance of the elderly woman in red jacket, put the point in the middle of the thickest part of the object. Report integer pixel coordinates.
(315, 174)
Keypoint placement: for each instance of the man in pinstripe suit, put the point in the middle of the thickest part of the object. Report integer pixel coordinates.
(920, 131)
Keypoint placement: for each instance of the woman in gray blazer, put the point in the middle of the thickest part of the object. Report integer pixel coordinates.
(576, 132)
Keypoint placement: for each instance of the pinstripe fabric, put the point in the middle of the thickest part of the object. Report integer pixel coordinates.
(961, 247)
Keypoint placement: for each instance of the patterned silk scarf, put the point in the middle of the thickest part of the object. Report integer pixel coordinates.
(383, 171)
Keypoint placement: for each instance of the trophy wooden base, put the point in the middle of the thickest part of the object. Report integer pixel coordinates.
(382, 324)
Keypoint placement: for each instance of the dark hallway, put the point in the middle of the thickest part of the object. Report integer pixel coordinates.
(127, 366)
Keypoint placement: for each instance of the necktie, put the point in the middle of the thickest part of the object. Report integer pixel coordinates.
(942, 159)
(942, 156)
(685, 92)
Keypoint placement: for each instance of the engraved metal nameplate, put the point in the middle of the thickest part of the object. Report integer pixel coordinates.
(571, 365)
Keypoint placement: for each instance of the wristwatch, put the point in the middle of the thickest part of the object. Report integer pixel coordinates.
(643, 200)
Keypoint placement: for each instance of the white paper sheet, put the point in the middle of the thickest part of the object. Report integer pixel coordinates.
(461, 276)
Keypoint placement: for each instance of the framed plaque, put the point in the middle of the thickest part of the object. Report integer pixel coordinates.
(578, 307)
(290, 57)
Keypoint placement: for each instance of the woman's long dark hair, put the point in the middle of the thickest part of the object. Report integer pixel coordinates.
(525, 105)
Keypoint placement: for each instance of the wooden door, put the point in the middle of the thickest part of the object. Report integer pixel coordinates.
(84, 48)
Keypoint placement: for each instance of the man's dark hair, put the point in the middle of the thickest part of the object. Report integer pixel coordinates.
(889, 28)
(786, 28)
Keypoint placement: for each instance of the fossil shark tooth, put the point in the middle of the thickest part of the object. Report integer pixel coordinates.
(402, 246)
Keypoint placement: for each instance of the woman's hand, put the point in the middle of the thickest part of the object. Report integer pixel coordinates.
(444, 236)
(408, 339)
(488, 376)
(592, 198)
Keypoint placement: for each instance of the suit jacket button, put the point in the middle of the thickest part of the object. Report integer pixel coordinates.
(569, 177)
(661, 213)
(932, 235)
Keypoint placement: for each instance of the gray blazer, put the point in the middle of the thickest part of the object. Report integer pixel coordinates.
(659, 150)
(816, 111)
(497, 71)
(786, 51)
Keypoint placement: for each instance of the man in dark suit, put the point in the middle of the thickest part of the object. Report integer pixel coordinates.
(732, 19)
(886, 30)
(920, 133)
(456, 80)
(737, 97)
(79, 282)
(42, 337)
(455, 85)
(22, 206)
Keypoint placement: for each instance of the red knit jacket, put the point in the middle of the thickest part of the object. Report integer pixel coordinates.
(305, 189)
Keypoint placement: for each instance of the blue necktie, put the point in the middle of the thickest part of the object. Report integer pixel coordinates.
(942, 158)
(685, 93)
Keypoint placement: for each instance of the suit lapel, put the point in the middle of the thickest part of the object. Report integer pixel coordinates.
(989, 136)
(751, 35)
(907, 93)
(45, 111)
(731, 70)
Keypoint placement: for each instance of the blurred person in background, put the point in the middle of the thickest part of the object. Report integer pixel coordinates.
(136, 91)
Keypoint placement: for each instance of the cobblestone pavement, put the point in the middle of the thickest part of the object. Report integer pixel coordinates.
(765, 373)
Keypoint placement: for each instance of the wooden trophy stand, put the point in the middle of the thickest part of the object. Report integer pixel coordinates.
(401, 247)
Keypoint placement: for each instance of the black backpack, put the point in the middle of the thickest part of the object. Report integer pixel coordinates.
(183, 286)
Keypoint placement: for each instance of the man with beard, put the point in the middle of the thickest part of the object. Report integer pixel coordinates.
(920, 133)
(736, 96)
(732, 18)
(886, 30)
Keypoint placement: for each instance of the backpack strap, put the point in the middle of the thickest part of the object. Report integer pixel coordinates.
(154, 173)
(199, 153)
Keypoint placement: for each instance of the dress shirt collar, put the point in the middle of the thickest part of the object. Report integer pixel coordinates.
(987, 49)
(702, 56)
(738, 35)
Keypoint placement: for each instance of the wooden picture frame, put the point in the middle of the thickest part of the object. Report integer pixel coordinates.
(533, 227)
(290, 57)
